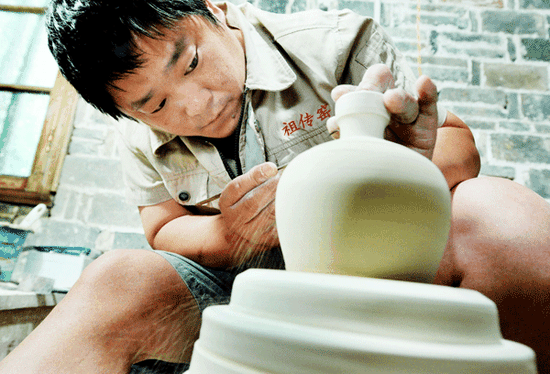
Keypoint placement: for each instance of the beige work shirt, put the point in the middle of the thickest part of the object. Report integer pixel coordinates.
(293, 63)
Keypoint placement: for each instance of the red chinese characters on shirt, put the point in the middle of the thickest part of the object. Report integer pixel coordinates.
(306, 120)
(323, 112)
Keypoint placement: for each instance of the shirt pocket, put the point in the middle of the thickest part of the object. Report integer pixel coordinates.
(189, 188)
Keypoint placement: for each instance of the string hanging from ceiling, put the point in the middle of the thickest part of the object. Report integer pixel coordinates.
(418, 38)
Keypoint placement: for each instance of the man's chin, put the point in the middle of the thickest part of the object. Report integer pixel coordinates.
(220, 132)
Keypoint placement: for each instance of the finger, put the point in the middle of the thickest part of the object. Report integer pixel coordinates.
(340, 90)
(264, 221)
(402, 106)
(421, 135)
(258, 201)
(332, 127)
(390, 135)
(377, 78)
(427, 96)
(425, 127)
(242, 185)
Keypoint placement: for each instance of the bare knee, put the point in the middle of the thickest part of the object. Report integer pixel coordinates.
(500, 211)
(500, 245)
(137, 294)
(129, 282)
(499, 230)
(119, 271)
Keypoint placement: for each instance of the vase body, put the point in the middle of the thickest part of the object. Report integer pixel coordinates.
(361, 205)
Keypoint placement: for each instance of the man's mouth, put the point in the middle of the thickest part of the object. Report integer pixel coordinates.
(219, 116)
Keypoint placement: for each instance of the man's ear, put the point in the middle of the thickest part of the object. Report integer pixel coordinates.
(217, 11)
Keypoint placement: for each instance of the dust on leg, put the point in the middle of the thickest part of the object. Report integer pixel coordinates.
(127, 306)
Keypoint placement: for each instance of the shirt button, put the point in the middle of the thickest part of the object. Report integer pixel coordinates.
(184, 196)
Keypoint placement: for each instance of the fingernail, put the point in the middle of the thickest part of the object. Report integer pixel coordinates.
(269, 170)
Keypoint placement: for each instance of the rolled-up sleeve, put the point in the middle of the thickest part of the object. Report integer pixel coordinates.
(143, 184)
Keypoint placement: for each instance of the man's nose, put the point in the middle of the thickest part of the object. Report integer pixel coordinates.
(195, 100)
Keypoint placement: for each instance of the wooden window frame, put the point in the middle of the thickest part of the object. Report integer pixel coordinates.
(54, 139)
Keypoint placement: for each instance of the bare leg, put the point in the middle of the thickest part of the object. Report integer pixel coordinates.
(500, 246)
(128, 305)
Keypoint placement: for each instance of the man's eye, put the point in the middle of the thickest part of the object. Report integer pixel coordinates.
(161, 105)
(193, 65)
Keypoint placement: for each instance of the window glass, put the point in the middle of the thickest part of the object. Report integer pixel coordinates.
(34, 133)
(24, 55)
(21, 120)
(31, 3)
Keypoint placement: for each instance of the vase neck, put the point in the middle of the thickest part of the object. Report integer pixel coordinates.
(362, 113)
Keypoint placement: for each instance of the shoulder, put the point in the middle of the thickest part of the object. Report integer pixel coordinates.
(138, 138)
(315, 20)
(281, 25)
(320, 40)
(133, 134)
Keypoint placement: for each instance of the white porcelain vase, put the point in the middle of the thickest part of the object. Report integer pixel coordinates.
(362, 205)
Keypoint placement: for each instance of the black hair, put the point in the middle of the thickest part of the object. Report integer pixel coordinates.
(93, 41)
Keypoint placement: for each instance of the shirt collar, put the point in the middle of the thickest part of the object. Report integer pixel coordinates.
(266, 68)
(158, 139)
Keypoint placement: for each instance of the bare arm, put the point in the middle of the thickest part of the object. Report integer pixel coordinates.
(170, 227)
(245, 226)
(455, 152)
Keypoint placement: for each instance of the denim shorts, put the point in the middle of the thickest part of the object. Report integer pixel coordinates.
(212, 286)
(209, 286)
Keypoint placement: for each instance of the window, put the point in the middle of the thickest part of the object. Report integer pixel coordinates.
(37, 106)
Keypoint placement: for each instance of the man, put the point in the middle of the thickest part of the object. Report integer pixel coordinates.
(216, 91)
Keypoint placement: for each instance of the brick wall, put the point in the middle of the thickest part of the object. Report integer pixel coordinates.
(489, 59)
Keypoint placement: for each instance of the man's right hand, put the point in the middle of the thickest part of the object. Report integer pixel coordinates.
(413, 120)
(247, 205)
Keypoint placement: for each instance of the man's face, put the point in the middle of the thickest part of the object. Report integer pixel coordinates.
(191, 82)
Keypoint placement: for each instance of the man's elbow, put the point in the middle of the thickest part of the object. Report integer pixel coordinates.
(468, 167)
